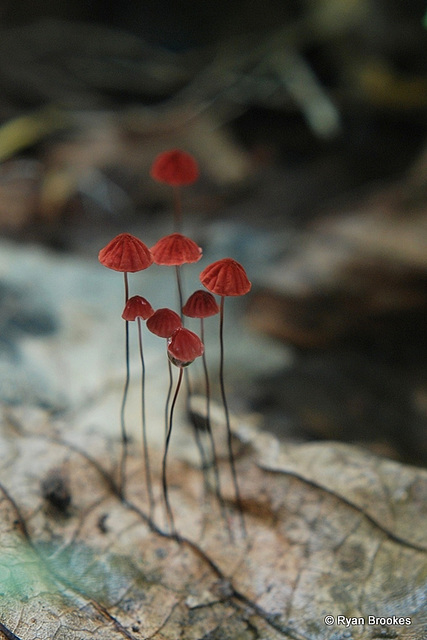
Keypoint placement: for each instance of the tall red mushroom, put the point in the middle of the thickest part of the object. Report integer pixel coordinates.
(202, 304)
(138, 308)
(227, 277)
(163, 323)
(176, 250)
(127, 254)
(183, 348)
(176, 168)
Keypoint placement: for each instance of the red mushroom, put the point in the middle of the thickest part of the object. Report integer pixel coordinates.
(175, 250)
(202, 304)
(127, 254)
(227, 277)
(163, 322)
(176, 168)
(138, 308)
(184, 347)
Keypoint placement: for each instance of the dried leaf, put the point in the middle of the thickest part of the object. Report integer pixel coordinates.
(332, 531)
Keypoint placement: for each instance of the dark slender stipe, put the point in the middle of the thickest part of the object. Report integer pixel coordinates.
(168, 398)
(122, 467)
(164, 478)
(227, 419)
(197, 438)
(144, 423)
(187, 377)
(125, 275)
(211, 438)
(202, 453)
(177, 210)
(179, 286)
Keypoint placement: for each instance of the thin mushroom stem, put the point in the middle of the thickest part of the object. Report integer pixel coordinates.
(122, 464)
(168, 398)
(202, 453)
(126, 280)
(190, 393)
(168, 437)
(177, 210)
(144, 423)
(179, 287)
(210, 434)
(227, 418)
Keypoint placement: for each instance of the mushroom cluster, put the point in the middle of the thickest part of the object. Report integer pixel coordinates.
(223, 278)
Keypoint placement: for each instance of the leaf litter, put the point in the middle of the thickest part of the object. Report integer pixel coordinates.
(332, 530)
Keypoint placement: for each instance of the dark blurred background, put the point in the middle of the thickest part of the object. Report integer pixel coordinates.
(309, 123)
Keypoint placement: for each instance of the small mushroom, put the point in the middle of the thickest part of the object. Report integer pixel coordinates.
(163, 323)
(127, 254)
(176, 168)
(202, 304)
(138, 308)
(227, 277)
(176, 250)
(184, 346)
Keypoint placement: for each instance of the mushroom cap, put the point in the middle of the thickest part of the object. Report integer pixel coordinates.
(201, 304)
(225, 277)
(175, 249)
(137, 307)
(184, 346)
(175, 167)
(125, 253)
(164, 322)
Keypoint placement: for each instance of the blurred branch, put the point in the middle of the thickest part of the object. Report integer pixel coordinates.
(89, 66)
(78, 65)
(119, 100)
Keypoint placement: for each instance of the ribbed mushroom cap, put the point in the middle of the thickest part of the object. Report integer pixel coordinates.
(175, 249)
(164, 322)
(175, 167)
(201, 304)
(125, 253)
(225, 277)
(137, 307)
(184, 346)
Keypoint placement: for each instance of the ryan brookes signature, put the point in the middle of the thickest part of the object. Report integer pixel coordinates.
(368, 620)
